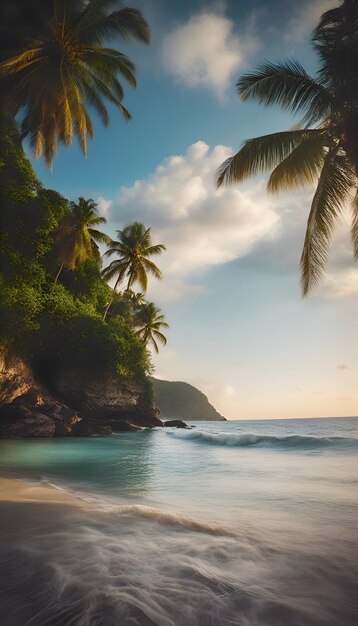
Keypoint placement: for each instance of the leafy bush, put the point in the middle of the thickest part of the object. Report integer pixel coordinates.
(53, 325)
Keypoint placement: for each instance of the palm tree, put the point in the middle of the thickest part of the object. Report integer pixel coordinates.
(77, 237)
(324, 148)
(61, 66)
(133, 247)
(150, 322)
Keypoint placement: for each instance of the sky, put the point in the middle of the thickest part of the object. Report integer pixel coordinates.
(239, 329)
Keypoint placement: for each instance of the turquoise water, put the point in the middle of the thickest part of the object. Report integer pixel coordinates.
(244, 523)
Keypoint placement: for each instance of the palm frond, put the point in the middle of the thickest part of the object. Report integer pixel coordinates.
(334, 187)
(160, 336)
(107, 62)
(114, 269)
(98, 236)
(355, 226)
(155, 345)
(261, 154)
(127, 23)
(288, 85)
(152, 268)
(21, 61)
(140, 276)
(301, 167)
(154, 250)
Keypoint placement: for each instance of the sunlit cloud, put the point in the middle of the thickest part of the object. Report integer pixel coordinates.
(305, 18)
(206, 51)
(103, 206)
(341, 284)
(201, 226)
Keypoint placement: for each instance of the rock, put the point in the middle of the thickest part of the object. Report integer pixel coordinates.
(107, 398)
(122, 426)
(36, 415)
(176, 424)
(18, 422)
(77, 406)
(15, 378)
(91, 427)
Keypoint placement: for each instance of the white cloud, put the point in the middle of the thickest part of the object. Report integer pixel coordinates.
(200, 225)
(203, 227)
(306, 18)
(205, 51)
(103, 206)
(341, 284)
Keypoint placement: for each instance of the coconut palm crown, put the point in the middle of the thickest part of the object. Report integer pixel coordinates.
(62, 66)
(150, 321)
(77, 236)
(133, 248)
(323, 150)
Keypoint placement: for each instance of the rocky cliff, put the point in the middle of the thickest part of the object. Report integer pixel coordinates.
(76, 406)
(183, 401)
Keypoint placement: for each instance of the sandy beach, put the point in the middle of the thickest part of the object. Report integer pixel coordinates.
(14, 490)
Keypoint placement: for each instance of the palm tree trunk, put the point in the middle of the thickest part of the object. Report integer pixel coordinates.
(110, 301)
(58, 273)
(129, 282)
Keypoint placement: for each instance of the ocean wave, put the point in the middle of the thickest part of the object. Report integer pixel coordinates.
(264, 441)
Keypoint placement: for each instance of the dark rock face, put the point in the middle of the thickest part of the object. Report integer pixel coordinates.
(121, 426)
(90, 427)
(80, 407)
(107, 398)
(176, 424)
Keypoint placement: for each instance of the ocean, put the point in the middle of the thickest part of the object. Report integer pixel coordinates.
(244, 523)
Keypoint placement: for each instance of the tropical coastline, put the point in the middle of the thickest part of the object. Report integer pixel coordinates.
(155, 290)
(238, 519)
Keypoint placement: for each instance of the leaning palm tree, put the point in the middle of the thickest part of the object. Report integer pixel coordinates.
(323, 150)
(150, 321)
(133, 248)
(76, 237)
(62, 66)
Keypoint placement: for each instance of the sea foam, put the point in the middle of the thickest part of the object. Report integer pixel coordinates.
(248, 439)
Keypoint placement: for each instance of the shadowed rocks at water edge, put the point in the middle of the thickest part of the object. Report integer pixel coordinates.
(77, 406)
(176, 424)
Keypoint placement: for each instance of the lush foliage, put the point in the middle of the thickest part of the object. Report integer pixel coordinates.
(133, 249)
(150, 322)
(325, 154)
(53, 325)
(76, 237)
(55, 65)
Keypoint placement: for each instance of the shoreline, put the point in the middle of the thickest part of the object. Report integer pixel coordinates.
(20, 490)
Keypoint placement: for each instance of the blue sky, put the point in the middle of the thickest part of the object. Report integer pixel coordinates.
(238, 327)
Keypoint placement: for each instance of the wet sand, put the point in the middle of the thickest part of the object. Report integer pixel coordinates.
(13, 490)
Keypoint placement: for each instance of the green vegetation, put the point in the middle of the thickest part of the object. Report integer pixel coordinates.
(324, 147)
(75, 238)
(55, 65)
(150, 321)
(58, 324)
(178, 400)
(133, 248)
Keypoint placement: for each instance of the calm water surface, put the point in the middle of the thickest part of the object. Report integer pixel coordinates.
(248, 523)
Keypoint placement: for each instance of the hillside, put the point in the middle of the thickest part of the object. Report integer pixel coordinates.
(183, 401)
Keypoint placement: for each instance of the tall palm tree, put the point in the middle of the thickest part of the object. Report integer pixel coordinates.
(61, 66)
(324, 150)
(150, 321)
(76, 237)
(133, 248)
